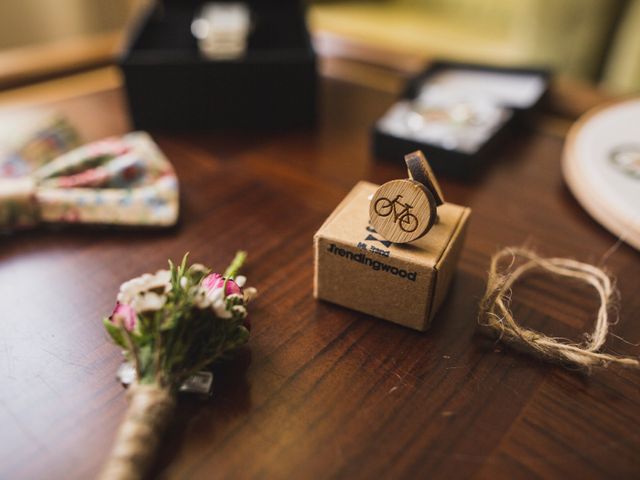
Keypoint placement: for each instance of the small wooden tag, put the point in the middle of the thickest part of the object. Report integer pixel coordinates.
(420, 171)
(402, 210)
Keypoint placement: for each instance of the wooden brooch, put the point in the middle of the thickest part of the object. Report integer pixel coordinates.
(404, 210)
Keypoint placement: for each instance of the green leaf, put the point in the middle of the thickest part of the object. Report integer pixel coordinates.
(169, 322)
(115, 332)
(197, 276)
(183, 265)
(145, 357)
(235, 266)
(140, 338)
(243, 336)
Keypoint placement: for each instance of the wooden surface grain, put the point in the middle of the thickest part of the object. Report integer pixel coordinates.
(321, 392)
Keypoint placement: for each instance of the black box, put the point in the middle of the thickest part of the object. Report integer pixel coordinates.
(392, 141)
(170, 85)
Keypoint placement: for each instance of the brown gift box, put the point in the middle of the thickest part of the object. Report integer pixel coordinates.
(403, 283)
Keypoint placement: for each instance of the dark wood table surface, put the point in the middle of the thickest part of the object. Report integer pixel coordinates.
(321, 391)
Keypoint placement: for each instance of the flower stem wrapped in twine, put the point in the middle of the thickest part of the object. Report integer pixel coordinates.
(496, 315)
(138, 438)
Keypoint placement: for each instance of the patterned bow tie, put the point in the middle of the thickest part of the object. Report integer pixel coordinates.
(116, 181)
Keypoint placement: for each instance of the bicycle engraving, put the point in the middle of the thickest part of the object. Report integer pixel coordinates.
(407, 221)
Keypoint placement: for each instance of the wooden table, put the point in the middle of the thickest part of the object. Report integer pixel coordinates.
(322, 392)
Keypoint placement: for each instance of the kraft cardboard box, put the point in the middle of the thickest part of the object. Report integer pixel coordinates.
(406, 284)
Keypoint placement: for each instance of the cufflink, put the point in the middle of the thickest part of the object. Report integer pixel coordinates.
(404, 210)
(222, 29)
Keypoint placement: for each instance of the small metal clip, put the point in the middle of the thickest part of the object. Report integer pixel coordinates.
(200, 384)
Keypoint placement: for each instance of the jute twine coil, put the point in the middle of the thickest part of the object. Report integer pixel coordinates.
(496, 314)
(139, 436)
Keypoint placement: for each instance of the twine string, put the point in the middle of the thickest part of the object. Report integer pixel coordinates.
(139, 435)
(495, 310)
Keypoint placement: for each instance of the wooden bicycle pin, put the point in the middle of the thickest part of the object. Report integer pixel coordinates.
(404, 210)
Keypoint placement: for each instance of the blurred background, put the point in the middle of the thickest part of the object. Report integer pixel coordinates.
(593, 41)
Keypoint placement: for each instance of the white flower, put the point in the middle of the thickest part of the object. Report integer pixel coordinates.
(201, 299)
(239, 310)
(215, 295)
(241, 280)
(220, 309)
(148, 301)
(235, 298)
(198, 267)
(183, 282)
(131, 288)
(249, 294)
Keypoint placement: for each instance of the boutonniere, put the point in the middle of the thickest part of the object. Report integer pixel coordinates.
(171, 325)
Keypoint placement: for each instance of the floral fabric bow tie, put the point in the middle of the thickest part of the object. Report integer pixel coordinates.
(118, 181)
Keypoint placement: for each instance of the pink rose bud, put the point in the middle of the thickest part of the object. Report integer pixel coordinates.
(215, 280)
(125, 315)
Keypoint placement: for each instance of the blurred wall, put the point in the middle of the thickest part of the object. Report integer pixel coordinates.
(595, 40)
(29, 22)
